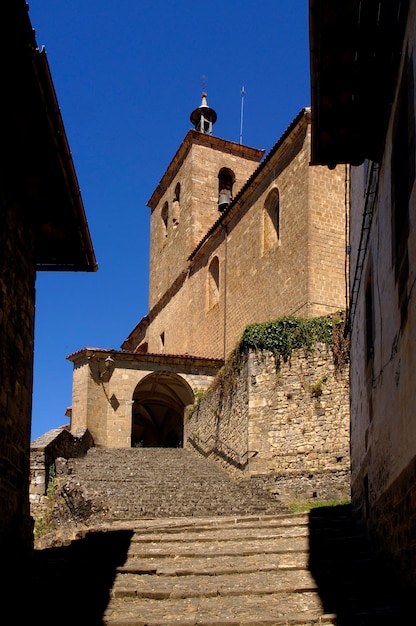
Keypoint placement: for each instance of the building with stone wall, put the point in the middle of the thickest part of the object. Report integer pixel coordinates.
(363, 59)
(287, 422)
(43, 227)
(276, 249)
(235, 237)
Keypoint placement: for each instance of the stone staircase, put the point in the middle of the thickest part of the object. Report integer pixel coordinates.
(183, 544)
(166, 482)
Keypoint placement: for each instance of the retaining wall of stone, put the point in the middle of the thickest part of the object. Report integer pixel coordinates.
(287, 424)
(45, 450)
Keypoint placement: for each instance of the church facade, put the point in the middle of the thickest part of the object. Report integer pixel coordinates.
(237, 237)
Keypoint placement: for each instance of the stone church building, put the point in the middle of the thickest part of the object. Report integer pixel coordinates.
(236, 237)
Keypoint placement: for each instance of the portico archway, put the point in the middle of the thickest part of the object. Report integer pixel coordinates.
(159, 402)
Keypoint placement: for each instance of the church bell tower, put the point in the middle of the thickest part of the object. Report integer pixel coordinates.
(199, 184)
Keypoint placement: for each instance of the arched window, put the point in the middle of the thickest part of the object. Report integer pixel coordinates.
(271, 220)
(176, 205)
(165, 217)
(177, 192)
(226, 179)
(213, 282)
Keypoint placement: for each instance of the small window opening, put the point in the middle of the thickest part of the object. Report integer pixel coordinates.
(271, 220)
(165, 217)
(177, 192)
(176, 205)
(213, 282)
(162, 339)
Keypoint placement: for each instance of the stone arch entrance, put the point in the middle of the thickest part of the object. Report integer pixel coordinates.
(159, 401)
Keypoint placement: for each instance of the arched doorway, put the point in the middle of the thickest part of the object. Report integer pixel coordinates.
(159, 401)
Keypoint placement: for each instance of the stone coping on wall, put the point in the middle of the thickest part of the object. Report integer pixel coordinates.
(146, 357)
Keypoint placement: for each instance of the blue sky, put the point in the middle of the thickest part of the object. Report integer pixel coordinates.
(127, 74)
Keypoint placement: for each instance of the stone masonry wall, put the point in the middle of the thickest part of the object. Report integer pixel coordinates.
(17, 309)
(196, 212)
(299, 412)
(287, 426)
(43, 453)
(218, 424)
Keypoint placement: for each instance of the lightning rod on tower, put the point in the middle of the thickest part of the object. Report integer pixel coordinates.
(241, 114)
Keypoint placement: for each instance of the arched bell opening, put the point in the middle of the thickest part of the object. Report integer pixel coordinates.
(159, 402)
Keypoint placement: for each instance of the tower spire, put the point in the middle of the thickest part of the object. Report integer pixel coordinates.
(203, 117)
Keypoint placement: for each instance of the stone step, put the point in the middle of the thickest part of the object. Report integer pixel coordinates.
(236, 610)
(246, 572)
(166, 585)
(163, 482)
(271, 610)
(218, 564)
(182, 543)
(243, 571)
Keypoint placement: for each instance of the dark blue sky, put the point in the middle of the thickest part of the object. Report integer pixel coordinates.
(127, 74)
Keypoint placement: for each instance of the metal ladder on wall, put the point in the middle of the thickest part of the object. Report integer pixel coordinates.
(370, 199)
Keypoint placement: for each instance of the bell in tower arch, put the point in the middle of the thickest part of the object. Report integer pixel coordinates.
(226, 180)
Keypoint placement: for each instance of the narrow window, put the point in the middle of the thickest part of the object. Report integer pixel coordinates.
(165, 217)
(271, 220)
(176, 205)
(226, 181)
(162, 339)
(213, 282)
(177, 192)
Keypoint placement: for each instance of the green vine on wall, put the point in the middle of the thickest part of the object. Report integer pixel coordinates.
(283, 335)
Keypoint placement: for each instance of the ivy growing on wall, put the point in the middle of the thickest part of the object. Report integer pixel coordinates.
(283, 335)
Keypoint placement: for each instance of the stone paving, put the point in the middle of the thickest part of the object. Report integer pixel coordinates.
(214, 570)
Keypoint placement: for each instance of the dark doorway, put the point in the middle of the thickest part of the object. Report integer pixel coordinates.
(159, 402)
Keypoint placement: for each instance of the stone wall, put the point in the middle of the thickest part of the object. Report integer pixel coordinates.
(218, 424)
(43, 453)
(383, 330)
(286, 425)
(17, 308)
(299, 412)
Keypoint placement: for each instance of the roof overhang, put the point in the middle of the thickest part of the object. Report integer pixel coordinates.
(38, 165)
(355, 50)
(146, 360)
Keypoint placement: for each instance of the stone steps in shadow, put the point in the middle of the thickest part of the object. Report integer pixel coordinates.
(298, 569)
(183, 544)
